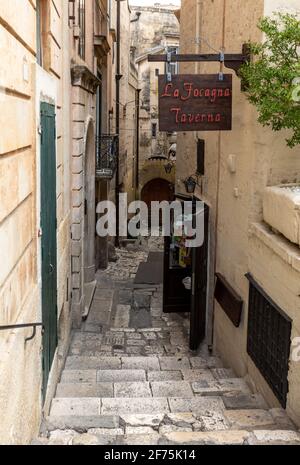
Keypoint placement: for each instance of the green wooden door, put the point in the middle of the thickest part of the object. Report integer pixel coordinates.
(48, 226)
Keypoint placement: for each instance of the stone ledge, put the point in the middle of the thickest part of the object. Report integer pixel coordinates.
(287, 251)
(82, 77)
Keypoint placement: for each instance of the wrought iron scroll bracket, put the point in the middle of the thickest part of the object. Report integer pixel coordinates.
(26, 325)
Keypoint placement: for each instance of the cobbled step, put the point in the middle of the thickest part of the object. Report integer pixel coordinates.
(221, 387)
(153, 363)
(181, 438)
(125, 385)
(93, 406)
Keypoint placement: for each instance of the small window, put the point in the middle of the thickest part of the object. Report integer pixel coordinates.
(154, 130)
(81, 24)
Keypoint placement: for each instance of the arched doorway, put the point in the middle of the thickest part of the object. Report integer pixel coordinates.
(89, 206)
(157, 190)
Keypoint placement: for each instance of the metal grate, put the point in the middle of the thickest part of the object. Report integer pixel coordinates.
(269, 340)
(106, 156)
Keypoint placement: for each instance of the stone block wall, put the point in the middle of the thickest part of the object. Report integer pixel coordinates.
(235, 196)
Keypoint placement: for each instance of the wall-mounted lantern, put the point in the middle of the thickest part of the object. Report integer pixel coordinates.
(169, 167)
(190, 184)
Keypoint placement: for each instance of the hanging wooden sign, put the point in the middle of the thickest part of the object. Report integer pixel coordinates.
(195, 103)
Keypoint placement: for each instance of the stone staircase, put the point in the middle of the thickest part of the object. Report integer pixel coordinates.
(159, 400)
(127, 384)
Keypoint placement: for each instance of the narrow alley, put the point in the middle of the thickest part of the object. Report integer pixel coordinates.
(149, 224)
(130, 378)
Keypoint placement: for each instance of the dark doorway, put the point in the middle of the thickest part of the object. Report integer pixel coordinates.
(199, 288)
(182, 264)
(48, 226)
(157, 190)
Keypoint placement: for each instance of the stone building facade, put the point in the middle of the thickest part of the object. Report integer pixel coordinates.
(92, 43)
(154, 31)
(241, 166)
(128, 109)
(57, 94)
(34, 72)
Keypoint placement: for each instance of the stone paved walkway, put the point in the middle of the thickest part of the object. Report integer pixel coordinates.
(131, 379)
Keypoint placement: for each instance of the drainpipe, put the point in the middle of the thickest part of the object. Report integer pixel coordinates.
(118, 77)
(212, 320)
(137, 169)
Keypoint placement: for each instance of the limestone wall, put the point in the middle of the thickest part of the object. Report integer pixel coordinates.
(156, 29)
(154, 23)
(128, 109)
(23, 84)
(238, 166)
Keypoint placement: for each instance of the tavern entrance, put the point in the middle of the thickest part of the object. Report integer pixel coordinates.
(185, 281)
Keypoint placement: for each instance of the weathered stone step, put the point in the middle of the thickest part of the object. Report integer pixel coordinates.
(240, 401)
(220, 387)
(250, 419)
(82, 364)
(80, 424)
(93, 406)
(164, 422)
(126, 389)
(110, 384)
(153, 363)
(102, 376)
(226, 437)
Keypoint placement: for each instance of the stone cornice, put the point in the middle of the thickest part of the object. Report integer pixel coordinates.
(84, 78)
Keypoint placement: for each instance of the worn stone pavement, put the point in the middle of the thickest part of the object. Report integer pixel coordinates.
(130, 378)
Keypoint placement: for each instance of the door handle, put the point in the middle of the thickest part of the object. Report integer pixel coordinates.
(51, 268)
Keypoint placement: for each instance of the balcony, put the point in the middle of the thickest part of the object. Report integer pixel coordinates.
(106, 156)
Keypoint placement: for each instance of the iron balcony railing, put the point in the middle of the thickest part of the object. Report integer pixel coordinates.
(106, 156)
